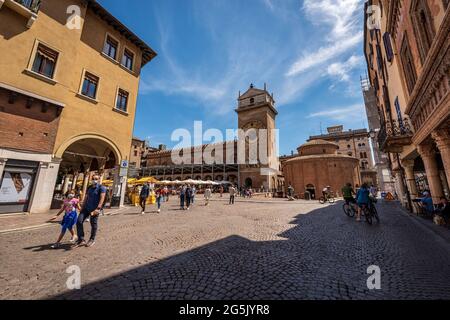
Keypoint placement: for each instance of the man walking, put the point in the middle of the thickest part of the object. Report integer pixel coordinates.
(208, 193)
(92, 206)
(232, 194)
(188, 195)
(143, 196)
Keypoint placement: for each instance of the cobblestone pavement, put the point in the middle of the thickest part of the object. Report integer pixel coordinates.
(286, 250)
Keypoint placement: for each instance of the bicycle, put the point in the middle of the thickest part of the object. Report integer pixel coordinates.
(330, 198)
(349, 209)
(370, 212)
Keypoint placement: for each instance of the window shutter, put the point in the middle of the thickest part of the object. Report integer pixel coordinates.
(388, 46)
(47, 52)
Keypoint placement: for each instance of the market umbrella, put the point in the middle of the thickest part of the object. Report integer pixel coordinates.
(147, 180)
(131, 181)
(107, 183)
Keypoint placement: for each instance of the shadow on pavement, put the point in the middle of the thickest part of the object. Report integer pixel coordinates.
(325, 255)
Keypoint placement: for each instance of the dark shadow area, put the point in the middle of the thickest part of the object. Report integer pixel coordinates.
(47, 247)
(325, 255)
(9, 28)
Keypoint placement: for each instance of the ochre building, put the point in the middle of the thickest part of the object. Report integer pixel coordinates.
(319, 165)
(68, 90)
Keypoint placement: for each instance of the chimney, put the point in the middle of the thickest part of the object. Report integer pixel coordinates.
(162, 147)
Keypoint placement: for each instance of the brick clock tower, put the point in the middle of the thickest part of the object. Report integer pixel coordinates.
(256, 110)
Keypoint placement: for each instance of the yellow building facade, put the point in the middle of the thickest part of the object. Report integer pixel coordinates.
(75, 56)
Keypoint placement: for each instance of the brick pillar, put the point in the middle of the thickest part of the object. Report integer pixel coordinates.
(428, 154)
(442, 138)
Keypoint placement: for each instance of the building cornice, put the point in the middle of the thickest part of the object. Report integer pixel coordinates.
(434, 69)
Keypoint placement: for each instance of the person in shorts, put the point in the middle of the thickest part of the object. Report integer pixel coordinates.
(348, 194)
(70, 206)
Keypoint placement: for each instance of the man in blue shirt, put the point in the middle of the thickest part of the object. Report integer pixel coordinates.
(427, 202)
(93, 204)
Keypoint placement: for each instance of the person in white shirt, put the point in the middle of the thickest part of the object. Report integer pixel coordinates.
(208, 194)
(232, 194)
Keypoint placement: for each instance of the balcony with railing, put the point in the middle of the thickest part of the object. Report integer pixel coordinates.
(26, 8)
(395, 135)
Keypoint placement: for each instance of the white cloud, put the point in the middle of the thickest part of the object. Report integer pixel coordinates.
(342, 16)
(339, 113)
(323, 55)
(339, 21)
(341, 69)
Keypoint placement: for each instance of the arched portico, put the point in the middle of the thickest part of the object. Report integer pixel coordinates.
(82, 156)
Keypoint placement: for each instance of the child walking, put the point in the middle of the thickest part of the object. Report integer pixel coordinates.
(70, 206)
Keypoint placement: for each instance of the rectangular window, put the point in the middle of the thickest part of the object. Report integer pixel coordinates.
(122, 100)
(110, 48)
(408, 65)
(379, 59)
(127, 59)
(90, 85)
(45, 61)
(388, 46)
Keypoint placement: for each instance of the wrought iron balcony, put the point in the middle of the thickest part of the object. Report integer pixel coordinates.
(32, 5)
(395, 135)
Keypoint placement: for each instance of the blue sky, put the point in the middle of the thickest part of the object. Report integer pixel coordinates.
(309, 52)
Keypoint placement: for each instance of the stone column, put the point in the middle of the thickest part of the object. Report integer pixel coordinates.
(66, 184)
(442, 138)
(428, 154)
(400, 187)
(410, 178)
(86, 179)
(75, 179)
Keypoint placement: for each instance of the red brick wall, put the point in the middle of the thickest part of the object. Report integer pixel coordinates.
(24, 128)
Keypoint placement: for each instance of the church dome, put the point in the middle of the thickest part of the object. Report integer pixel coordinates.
(318, 147)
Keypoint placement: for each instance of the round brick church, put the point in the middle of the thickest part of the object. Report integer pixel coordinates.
(319, 165)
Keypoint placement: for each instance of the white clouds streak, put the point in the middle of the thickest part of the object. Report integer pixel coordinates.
(339, 113)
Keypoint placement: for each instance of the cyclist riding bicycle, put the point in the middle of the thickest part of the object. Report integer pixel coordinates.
(348, 194)
(326, 192)
(362, 199)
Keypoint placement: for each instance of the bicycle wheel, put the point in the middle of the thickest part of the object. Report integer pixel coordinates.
(347, 210)
(322, 200)
(331, 200)
(368, 216)
(375, 214)
(352, 211)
